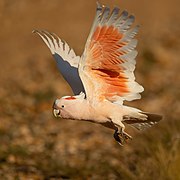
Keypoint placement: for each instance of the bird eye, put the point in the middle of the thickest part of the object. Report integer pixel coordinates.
(62, 106)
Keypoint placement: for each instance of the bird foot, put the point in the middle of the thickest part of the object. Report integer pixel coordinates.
(121, 137)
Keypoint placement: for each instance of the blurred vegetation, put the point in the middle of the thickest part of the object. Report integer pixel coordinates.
(35, 145)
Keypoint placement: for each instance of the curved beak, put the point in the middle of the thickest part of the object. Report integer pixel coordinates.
(57, 112)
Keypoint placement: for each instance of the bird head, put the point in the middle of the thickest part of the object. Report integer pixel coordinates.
(67, 105)
(62, 107)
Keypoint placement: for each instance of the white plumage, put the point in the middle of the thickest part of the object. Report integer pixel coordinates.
(103, 77)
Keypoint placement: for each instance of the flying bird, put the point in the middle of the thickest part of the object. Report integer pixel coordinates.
(103, 77)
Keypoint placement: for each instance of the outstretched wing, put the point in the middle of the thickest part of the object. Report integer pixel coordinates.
(107, 65)
(66, 59)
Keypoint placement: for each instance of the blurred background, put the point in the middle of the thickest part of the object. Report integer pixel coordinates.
(35, 145)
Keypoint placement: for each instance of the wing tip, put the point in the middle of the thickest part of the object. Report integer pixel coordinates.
(99, 6)
(34, 31)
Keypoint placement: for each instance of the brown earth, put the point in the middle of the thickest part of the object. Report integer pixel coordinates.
(35, 145)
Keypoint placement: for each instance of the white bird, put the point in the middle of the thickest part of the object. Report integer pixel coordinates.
(103, 77)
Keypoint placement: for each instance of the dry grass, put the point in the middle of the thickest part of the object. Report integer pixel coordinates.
(35, 145)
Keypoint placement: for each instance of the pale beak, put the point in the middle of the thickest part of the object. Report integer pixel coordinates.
(56, 112)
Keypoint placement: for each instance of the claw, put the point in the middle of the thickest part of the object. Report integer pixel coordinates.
(121, 137)
(118, 138)
(126, 135)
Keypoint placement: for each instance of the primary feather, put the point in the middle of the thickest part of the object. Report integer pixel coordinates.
(109, 57)
(66, 59)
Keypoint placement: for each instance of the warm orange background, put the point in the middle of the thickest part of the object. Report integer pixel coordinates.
(33, 144)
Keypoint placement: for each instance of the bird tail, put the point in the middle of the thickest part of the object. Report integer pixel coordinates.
(143, 121)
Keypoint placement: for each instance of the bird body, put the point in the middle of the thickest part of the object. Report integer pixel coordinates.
(108, 114)
(103, 77)
(102, 112)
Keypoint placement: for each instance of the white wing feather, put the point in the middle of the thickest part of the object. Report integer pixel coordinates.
(56, 45)
(66, 59)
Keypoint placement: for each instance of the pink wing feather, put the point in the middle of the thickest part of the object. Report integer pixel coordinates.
(107, 65)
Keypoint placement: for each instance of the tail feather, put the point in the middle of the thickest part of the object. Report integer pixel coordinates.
(153, 117)
(143, 123)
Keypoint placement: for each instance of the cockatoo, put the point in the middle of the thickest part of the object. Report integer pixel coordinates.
(103, 77)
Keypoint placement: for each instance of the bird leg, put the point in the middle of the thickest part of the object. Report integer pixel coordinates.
(118, 138)
(120, 135)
